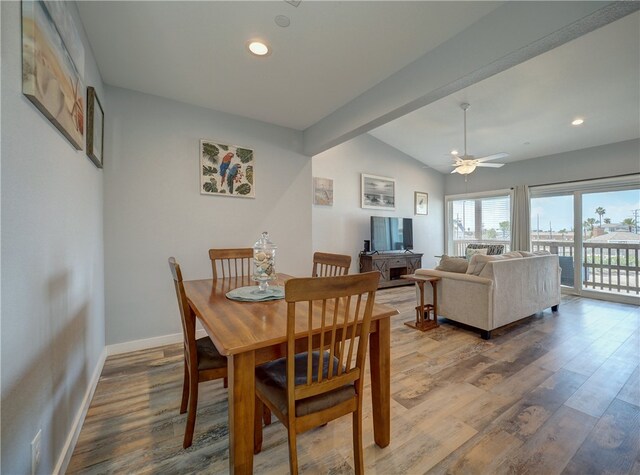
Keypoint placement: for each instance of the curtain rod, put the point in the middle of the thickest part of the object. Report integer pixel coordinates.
(580, 181)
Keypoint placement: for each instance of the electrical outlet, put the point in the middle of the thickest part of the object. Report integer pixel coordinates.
(36, 452)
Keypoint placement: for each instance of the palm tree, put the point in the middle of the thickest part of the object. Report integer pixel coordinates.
(629, 222)
(607, 220)
(600, 211)
(589, 223)
(504, 227)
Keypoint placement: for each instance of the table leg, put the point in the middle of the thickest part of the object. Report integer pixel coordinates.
(242, 393)
(380, 362)
(434, 289)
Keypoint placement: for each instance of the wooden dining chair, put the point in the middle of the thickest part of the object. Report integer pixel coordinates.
(202, 361)
(231, 262)
(324, 312)
(234, 262)
(326, 265)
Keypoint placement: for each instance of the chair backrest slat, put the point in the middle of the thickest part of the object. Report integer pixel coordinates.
(333, 315)
(330, 265)
(231, 262)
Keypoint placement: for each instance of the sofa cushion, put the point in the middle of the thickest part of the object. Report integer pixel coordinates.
(470, 252)
(534, 253)
(478, 262)
(453, 264)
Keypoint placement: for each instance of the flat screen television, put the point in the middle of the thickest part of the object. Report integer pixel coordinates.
(391, 234)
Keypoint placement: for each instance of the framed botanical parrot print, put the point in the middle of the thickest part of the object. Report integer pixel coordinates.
(226, 170)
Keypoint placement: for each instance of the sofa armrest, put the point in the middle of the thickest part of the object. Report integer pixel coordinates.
(464, 298)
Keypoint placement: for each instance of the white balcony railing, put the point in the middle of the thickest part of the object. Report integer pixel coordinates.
(607, 267)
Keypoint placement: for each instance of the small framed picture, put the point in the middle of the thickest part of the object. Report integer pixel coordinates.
(421, 202)
(322, 191)
(378, 192)
(95, 128)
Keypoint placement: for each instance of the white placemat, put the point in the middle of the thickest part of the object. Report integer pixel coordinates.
(252, 293)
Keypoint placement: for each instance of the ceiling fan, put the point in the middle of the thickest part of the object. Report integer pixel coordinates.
(466, 164)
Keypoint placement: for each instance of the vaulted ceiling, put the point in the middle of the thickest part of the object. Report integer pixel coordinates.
(398, 70)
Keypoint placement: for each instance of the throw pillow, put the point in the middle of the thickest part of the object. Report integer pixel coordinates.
(478, 261)
(472, 252)
(453, 264)
(512, 255)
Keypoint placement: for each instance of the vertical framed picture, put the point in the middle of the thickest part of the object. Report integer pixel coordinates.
(51, 80)
(378, 192)
(421, 201)
(95, 128)
(226, 170)
(322, 191)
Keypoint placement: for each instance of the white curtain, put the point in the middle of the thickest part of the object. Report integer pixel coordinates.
(520, 219)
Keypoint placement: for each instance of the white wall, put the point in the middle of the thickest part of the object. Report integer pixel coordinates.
(52, 267)
(607, 160)
(343, 227)
(154, 208)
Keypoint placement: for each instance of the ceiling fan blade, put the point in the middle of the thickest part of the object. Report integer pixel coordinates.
(455, 170)
(495, 156)
(490, 165)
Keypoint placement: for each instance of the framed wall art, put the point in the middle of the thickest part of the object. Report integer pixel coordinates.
(226, 170)
(421, 201)
(95, 128)
(51, 79)
(378, 192)
(322, 191)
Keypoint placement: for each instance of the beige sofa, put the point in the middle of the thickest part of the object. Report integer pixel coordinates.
(505, 289)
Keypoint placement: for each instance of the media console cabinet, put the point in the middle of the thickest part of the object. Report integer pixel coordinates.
(391, 266)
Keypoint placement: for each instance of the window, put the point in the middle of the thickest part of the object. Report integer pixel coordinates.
(478, 218)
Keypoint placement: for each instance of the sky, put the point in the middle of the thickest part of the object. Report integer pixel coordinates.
(558, 210)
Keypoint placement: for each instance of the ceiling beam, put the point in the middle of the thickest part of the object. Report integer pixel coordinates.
(510, 35)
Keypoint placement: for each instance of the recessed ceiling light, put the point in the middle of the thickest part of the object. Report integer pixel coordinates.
(577, 122)
(454, 152)
(283, 21)
(258, 48)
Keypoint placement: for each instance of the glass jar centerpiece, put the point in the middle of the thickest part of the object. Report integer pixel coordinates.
(264, 265)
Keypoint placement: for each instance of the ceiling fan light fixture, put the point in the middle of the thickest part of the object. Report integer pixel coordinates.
(577, 121)
(466, 168)
(454, 152)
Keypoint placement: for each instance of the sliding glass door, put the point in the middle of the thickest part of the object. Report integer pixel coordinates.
(594, 227)
(611, 241)
(552, 229)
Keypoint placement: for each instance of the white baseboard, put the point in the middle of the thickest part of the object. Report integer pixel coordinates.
(74, 433)
(146, 343)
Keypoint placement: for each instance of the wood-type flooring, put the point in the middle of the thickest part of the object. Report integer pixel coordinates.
(552, 394)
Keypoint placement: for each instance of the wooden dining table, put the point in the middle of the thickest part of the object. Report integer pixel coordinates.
(252, 333)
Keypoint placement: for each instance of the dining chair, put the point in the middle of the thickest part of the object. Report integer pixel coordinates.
(234, 262)
(309, 388)
(202, 361)
(326, 264)
(231, 262)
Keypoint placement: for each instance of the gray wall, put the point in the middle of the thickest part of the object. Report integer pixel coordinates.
(154, 208)
(607, 160)
(52, 267)
(343, 227)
